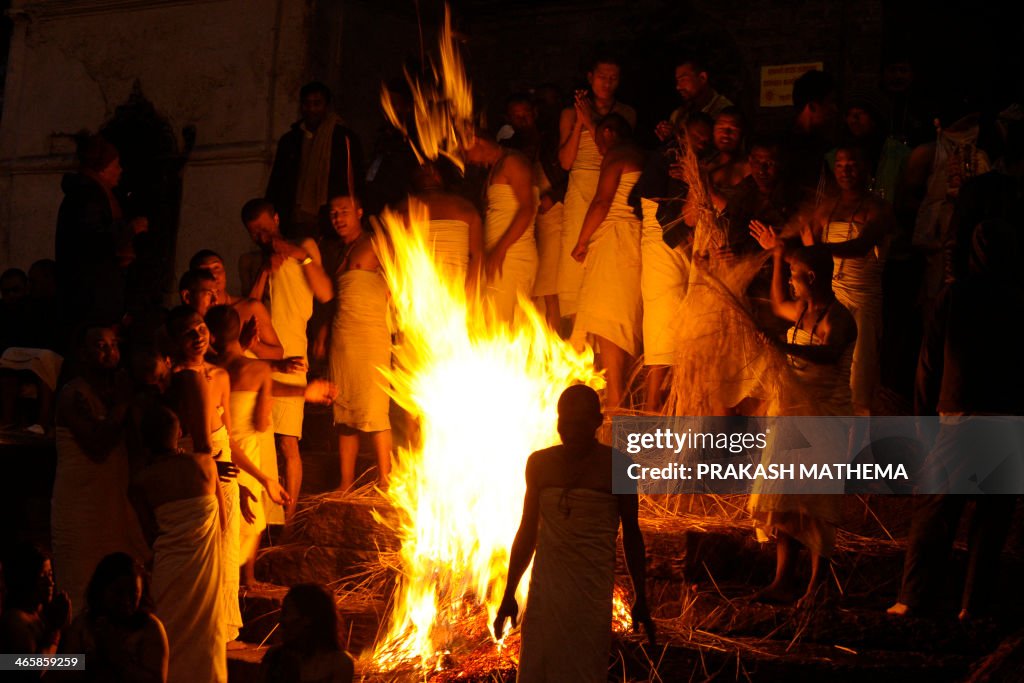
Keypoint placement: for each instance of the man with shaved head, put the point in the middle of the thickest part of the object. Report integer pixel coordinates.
(571, 519)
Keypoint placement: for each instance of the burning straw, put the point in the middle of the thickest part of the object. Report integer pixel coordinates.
(484, 396)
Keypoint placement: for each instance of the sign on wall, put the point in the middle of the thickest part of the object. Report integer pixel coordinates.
(777, 82)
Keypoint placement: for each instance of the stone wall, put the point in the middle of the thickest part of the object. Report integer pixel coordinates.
(230, 68)
(512, 49)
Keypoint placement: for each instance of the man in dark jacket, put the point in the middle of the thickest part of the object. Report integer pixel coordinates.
(94, 241)
(317, 159)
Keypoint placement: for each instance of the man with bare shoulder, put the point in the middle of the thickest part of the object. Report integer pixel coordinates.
(251, 397)
(175, 495)
(360, 345)
(456, 231)
(578, 153)
(610, 304)
(258, 335)
(293, 271)
(569, 527)
(510, 264)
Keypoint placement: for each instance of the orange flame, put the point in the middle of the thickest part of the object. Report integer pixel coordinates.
(485, 396)
(442, 109)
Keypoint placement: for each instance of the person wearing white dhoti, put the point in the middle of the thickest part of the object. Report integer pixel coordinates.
(569, 527)
(579, 154)
(295, 275)
(90, 515)
(360, 345)
(548, 228)
(176, 496)
(249, 401)
(455, 231)
(510, 264)
(609, 304)
(200, 395)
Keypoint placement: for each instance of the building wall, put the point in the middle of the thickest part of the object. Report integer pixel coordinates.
(230, 68)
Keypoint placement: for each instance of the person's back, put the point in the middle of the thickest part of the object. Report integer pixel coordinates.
(569, 526)
(456, 231)
(609, 305)
(284, 665)
(177, 498)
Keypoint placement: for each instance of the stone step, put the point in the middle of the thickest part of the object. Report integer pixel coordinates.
(359, 616)
(345, 521)
(292, 563)
(336, 536)
(244, 664)
(836, 622)
(705, 656)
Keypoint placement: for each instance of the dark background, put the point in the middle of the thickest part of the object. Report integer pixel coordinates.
(960, 47)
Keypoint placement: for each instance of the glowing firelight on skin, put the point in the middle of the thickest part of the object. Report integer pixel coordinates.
(485, 397)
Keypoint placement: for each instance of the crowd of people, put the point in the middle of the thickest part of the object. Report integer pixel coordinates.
(868, 231)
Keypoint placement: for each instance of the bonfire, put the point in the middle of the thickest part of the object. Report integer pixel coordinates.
(483, 395)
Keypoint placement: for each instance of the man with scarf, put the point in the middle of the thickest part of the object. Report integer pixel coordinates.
(318, 158)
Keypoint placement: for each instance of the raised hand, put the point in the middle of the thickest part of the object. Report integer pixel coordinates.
(663, 130)
(765, 235)
(584, 109)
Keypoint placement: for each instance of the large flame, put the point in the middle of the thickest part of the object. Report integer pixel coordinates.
(484, 395)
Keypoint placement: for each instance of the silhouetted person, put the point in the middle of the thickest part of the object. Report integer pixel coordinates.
(310, 652)
(94, 240)
(33, 616)
(571, 520)
(963, 375)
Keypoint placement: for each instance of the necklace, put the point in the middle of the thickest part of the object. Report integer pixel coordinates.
(814, 327)
(348, 251)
